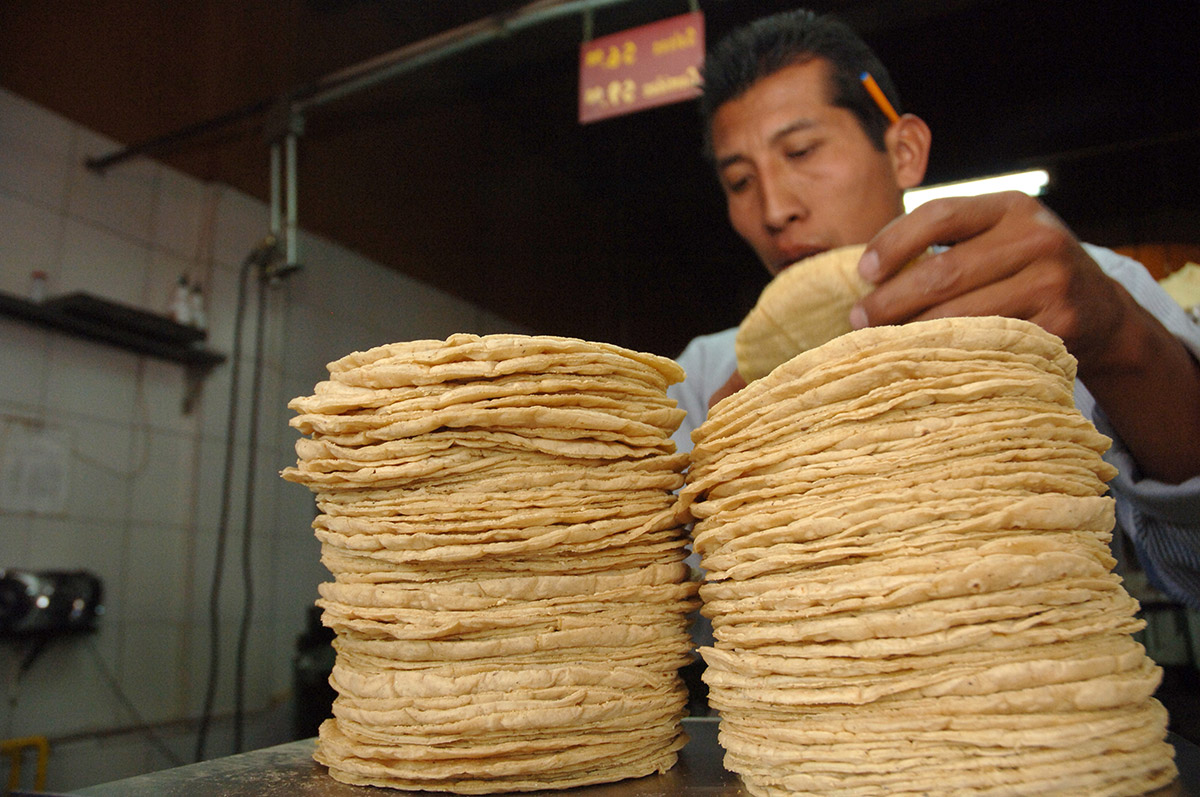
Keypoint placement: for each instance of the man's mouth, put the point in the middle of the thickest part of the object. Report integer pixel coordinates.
(790, 257)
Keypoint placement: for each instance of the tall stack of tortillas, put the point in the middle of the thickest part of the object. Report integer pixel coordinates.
(509, 597)
(905, 532)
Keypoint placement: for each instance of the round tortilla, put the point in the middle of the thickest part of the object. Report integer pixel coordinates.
(804, 306)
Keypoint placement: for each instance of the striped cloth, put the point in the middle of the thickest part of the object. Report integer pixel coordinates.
(1162, 520)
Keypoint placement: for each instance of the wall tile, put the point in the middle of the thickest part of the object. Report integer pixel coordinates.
(122, 199)
(261, 661)
(212, 401)
(23, 120)
(30, 237)
(242, 223)
(224, 696)
(266, 490)
(65, 690)
(156, 567)
(77, 544)
(163, 389)
(230, 602)
(176, 747)
(32, 174)
(299, 573)
(275, 342)
(24, 354)
(325, 332)
(220, 739)
(89, 762)
(100, 470)
(273, 412)
(294, 514)
(335, 286)
(181, 212)
(161, 279)
(428, 312)
(35, 152)
(222, 302)
(211, 476)
(16, 540)
(150, 663)
(91, 379)
(283, 635)
(162, 485)
(102, 263)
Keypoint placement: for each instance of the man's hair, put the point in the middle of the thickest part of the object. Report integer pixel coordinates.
(767, 45)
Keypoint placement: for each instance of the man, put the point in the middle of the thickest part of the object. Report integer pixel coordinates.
(808, 162)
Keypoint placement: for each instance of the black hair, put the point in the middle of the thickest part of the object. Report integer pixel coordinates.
(767, 45)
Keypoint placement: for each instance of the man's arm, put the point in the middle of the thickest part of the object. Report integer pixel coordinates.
(1009, 255)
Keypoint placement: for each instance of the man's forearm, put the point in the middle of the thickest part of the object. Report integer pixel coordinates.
(1148, 385)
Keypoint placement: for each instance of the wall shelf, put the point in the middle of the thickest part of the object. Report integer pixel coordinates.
(93, 318)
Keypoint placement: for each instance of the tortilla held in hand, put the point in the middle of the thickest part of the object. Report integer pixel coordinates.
(804, 306)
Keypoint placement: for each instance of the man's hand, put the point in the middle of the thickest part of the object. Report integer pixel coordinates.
(731, 386)
(1008, 255)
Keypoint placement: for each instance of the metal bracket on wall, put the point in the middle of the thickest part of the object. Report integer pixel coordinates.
(283, 129)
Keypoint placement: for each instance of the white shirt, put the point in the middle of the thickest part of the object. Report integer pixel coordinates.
(1162, 520)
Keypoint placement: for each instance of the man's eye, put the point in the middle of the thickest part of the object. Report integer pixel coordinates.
(796, 154)
(736, 185)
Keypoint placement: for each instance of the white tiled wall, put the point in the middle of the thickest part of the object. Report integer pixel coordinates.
(144, 483)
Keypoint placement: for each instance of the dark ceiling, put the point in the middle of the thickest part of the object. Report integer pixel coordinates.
(473, 174)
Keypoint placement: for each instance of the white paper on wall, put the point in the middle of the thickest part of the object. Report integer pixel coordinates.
(34, 469)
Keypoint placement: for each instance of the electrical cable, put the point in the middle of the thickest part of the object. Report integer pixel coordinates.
(214, 606)
(248, 521)
(260, 262)
(143, 726)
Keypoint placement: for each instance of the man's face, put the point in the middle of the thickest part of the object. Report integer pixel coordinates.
(800, 175)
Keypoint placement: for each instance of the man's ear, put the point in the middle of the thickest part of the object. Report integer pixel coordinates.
(908, 141)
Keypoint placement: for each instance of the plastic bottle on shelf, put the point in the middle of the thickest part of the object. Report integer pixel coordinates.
(198, 318)
(180, 309)
(37, 286)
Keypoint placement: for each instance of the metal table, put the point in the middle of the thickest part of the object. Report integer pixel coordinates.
(288, 770)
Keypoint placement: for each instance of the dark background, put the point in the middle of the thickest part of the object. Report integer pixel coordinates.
(473, 174)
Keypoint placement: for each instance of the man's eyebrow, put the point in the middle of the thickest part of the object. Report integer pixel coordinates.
(800, 124)
(729, 160)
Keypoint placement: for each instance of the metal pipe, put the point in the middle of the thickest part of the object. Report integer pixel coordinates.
(276, 200)
(427, 51)
(369, 73)
(163, 142)
(291, 245)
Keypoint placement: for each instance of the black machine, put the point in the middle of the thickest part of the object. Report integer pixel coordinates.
(47, 603)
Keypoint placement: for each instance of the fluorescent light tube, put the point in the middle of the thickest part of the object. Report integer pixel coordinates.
(1032, 182)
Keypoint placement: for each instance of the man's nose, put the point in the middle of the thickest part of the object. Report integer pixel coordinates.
(782, 202)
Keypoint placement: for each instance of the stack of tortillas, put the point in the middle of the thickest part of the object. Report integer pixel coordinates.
(509, 595)
(905, 532)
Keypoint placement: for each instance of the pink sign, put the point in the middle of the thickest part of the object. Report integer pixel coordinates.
(655, 64)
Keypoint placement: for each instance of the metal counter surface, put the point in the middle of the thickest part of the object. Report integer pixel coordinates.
(288, 770)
